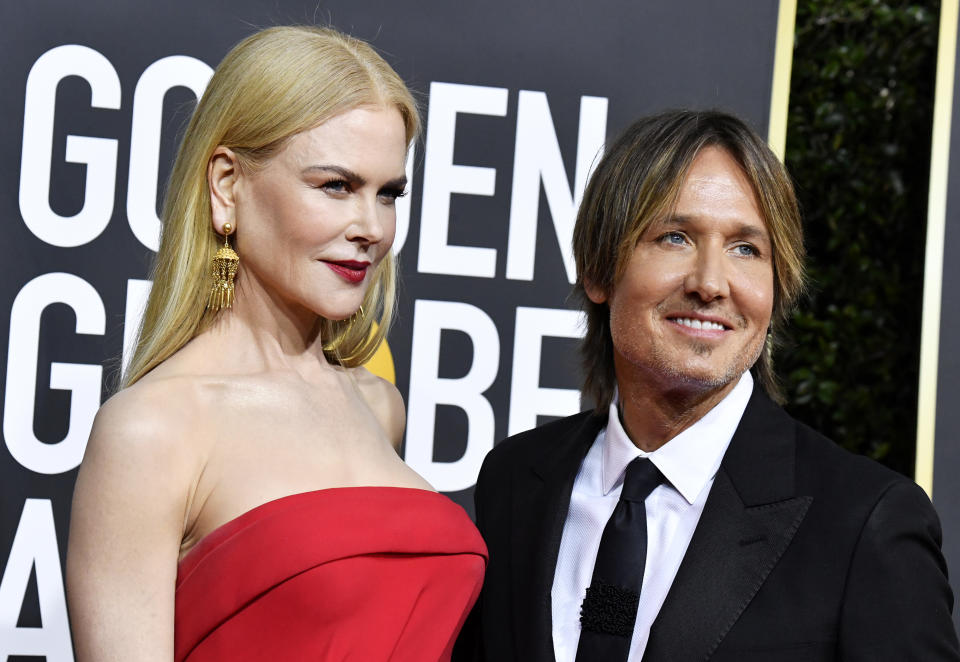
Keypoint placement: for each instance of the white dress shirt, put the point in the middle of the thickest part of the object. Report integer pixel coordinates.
(689, 462)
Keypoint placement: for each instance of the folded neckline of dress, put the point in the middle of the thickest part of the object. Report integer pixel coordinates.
(222, 533)
(309, 537)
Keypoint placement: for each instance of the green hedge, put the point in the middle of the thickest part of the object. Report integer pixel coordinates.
(858, 147)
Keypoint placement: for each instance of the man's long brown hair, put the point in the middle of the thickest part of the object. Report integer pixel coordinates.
(637, 182)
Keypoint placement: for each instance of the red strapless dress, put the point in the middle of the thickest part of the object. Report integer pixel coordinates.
(355, 573)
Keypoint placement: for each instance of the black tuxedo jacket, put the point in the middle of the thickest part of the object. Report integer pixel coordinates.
(803, 552)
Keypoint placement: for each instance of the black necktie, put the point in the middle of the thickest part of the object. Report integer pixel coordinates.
(610, 609)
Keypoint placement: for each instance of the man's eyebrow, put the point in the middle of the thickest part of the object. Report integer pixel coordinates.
(675, 219)
(745, 230)
(753, 232)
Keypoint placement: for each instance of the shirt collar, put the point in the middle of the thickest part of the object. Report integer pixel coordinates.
(688, 461)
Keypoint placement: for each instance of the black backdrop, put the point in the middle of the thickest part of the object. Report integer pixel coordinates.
(524, 94)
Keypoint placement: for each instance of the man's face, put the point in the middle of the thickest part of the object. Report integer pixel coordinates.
(692, 308)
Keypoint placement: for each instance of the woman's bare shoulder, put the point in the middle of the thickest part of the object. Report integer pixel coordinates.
(386, 402)
(129, 506)
(154, 421)
(150, 402)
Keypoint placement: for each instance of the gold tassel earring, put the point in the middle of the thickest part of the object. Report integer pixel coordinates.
(224, 269)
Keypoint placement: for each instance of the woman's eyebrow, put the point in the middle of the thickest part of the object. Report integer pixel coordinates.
(353, 177)
(346, 173)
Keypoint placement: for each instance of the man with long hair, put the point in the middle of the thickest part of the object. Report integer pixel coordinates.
(687, 516)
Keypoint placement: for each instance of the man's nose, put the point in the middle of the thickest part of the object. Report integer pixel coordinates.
(707, 277)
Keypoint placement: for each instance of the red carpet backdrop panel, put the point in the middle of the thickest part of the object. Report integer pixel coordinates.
(518, 100)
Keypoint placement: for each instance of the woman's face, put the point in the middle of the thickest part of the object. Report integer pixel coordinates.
(316, 220)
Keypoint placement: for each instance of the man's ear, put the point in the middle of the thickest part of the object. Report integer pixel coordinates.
(594, 293)
(223, 171)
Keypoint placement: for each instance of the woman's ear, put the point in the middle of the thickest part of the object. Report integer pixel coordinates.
(223, 170)
(594, 293)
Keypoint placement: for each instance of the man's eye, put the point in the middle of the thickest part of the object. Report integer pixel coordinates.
(675, 238)
(746, 249)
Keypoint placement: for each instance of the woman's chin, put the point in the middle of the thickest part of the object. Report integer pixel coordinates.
(340, 314)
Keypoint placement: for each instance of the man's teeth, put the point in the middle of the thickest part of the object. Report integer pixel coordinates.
(699, 324)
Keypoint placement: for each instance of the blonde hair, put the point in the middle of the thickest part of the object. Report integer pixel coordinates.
(272, 85)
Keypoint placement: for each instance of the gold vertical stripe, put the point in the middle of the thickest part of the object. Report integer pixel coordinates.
(782, 63)
(933, 263)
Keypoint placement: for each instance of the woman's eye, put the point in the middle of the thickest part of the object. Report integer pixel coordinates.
(336, 186)
(390, 195)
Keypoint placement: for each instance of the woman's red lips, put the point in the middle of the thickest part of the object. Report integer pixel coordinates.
(350, 270)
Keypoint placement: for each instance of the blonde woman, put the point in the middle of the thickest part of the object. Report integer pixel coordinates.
(242, 497)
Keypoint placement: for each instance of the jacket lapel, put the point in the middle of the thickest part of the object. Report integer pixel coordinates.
(543, 499)
(747, 523)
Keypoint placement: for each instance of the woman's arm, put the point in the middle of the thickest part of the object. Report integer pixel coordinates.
(127, 522)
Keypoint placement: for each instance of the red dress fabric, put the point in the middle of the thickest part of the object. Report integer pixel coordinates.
(357, 573)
